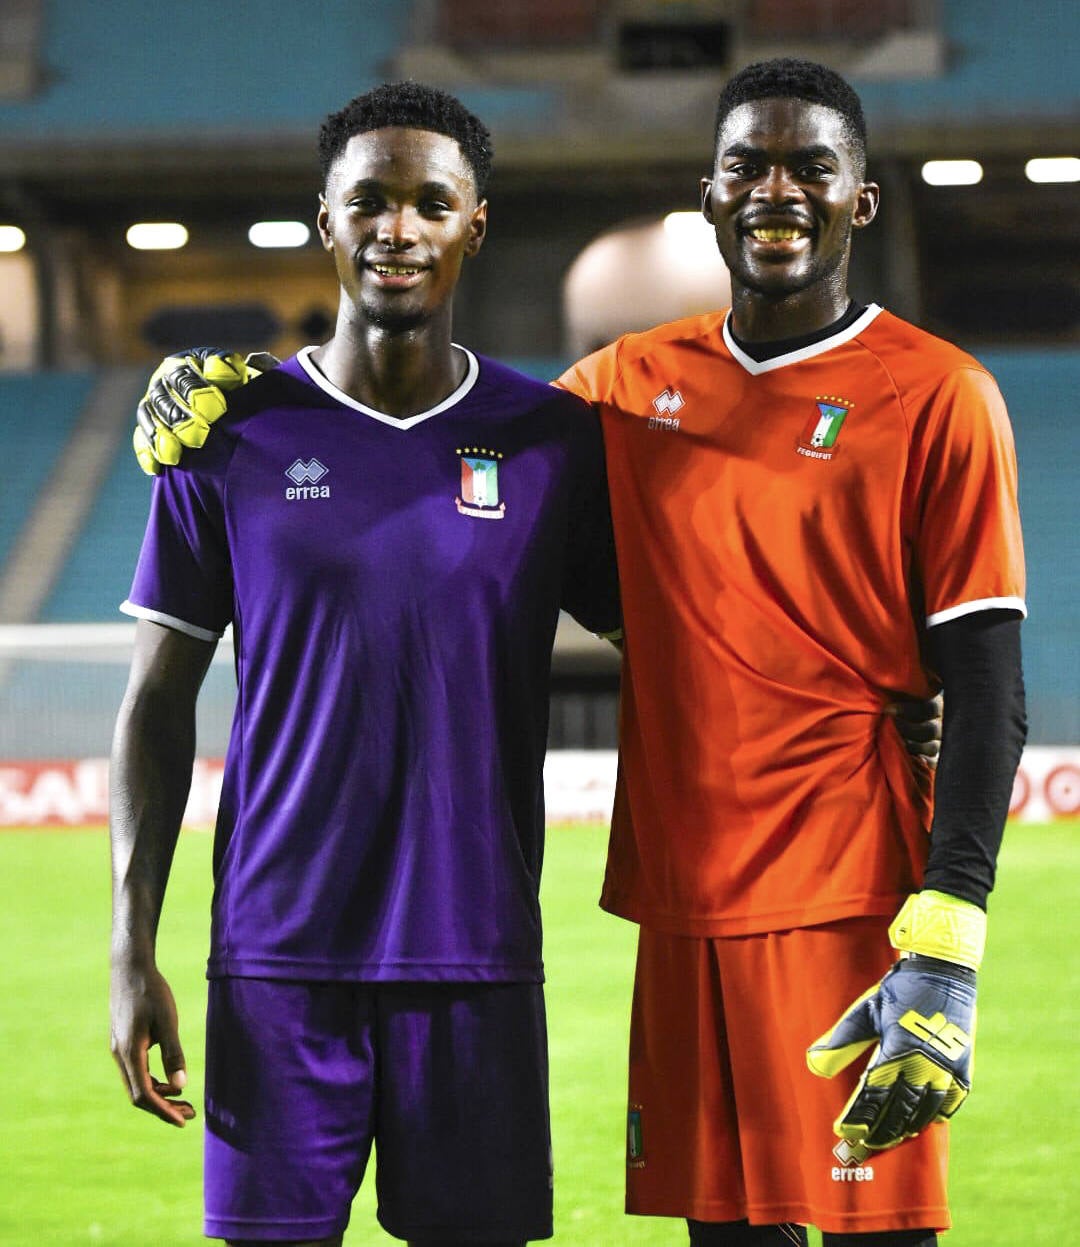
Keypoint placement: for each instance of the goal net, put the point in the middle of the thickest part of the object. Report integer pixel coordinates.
(61, 686)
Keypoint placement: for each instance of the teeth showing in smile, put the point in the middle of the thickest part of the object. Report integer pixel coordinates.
(776, 235)
(395, 270)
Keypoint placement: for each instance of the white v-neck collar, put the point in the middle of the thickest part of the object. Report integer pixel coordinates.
(303, 358)
(756, 367)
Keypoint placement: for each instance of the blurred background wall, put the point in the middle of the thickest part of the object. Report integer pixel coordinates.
(204, 115)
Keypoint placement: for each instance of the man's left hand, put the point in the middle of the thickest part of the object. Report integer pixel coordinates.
(922, 1017)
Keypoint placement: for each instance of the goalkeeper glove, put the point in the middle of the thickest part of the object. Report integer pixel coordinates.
(185, 396)
(922, 1017)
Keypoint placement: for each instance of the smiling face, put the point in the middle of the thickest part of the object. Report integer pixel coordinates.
(399, 214)
(785, 194)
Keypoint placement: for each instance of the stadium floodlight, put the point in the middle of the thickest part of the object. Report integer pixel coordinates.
(689, 228)
(1053, 169)
(688, 243)
(11, 238)
(278, 234)
(157, 236)
(952, 172)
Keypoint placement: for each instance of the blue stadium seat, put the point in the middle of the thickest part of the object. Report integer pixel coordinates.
(97, 574)
(37, 414)
(1040, 388)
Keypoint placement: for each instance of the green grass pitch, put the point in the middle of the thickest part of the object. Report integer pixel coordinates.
(81, 1167)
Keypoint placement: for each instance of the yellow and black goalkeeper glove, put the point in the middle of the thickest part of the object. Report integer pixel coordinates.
(185, 396)
(922, 1018)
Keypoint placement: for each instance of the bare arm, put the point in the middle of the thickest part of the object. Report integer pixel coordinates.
(152, 756)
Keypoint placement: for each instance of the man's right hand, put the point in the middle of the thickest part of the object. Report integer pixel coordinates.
(185, 396)
(144, 1014)
(919, 725)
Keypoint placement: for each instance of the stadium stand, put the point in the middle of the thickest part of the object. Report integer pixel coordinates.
(96, 575)
(1041, 389)
(1014, 65)
(37, 414)
(254, 80)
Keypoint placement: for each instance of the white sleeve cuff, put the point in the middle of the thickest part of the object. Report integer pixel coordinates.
(981, 604)
(169, 621)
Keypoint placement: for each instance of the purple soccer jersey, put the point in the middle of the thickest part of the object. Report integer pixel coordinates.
(394, 586)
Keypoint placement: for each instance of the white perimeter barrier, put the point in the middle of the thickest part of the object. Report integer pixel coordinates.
(579, 785)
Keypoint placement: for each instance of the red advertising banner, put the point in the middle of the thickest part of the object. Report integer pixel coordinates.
(580, 786)
(76, 793)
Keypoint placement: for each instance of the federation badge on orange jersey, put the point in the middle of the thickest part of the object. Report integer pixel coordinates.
(822, 428)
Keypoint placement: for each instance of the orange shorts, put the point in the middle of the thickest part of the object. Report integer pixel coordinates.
(726, 1121)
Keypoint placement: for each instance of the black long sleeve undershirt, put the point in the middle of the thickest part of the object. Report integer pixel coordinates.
(978, 659)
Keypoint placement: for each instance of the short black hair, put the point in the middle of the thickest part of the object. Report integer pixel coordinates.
(417, 106)
(786, 76)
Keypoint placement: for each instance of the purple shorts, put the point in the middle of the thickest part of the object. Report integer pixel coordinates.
(448, 1079)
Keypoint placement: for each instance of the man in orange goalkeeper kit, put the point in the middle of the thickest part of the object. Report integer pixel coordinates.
(815, 515)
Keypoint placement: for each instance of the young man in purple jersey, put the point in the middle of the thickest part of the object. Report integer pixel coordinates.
(391, 525)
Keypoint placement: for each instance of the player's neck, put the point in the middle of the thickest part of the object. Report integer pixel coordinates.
(396, 372)
(761, 317)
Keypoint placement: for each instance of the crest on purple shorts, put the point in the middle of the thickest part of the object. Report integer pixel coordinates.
(635, 1149)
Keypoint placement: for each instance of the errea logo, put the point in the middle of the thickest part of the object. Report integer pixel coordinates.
(666, 404)
(851, 1157)
(305, 479)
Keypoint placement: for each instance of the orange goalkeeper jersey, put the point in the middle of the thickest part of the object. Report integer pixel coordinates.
(786, 532)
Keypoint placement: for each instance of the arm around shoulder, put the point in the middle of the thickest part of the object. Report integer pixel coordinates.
(185, 395)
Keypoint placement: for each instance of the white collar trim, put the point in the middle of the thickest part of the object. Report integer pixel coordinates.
(303, 358)
(757, 367)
